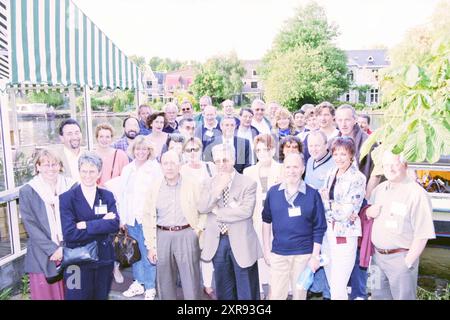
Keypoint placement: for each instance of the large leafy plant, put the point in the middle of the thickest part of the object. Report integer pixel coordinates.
(417, 120)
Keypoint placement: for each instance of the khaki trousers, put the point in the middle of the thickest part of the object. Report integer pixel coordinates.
(285, 270)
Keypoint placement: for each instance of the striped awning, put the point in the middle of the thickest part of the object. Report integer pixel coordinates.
(54, 43)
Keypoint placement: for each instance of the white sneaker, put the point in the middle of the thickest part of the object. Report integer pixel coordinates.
(150, 294)
(135, 289)
(118, 277)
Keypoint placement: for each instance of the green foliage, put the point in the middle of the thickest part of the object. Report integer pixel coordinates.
(423, 294)
(303, 65)
(139, 61)
(157, 105)
(219, 77)
(25, 287)
(181, 96)
(6, 294)
(418, 113)
(118, 101)
(167, 65)
(51, 98)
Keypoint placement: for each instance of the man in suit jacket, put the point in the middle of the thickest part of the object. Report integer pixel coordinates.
(230, 238)
(241, 146)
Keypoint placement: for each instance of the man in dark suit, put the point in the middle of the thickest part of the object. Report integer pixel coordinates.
(240, 145)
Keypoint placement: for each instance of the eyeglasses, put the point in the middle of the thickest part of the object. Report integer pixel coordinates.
(203, 105)
(258, 109)
(290, 146)
(261, 150)
(52, 165)
(189, 150)
(185, 109)
(220, 161)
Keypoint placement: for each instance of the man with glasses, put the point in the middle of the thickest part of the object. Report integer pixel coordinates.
(187, 111)
(241, 146)
(231, 242)
(259, 121)
(171, 112)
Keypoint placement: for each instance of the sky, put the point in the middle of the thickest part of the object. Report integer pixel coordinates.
(198, 29)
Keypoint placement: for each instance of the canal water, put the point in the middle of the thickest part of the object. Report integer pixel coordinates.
(435, 261)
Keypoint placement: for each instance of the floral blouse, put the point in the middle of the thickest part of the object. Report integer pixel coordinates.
(349, 192)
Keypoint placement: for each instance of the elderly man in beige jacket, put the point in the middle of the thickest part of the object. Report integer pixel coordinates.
(171, 226)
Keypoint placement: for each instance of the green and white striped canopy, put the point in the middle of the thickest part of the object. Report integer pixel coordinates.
(52, 42)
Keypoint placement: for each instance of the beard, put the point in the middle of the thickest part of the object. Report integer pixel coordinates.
(131, 134)
(75, 144)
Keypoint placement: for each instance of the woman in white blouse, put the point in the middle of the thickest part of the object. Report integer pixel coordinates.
(267, 172)
(131, 191)
(342, 197)
(198, 170)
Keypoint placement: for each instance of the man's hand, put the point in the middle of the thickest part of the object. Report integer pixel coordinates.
(222, 181)
(152, 257)
(373, 211)
(314, 263)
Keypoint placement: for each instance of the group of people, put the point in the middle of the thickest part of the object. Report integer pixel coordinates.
(233, 205)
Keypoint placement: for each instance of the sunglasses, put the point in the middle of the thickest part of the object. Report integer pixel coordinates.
(185, 109)
(189, 150)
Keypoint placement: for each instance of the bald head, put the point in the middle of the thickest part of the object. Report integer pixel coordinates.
(294, 166)
(171, 165)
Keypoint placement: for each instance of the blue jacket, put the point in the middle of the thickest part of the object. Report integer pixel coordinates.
(74, 208)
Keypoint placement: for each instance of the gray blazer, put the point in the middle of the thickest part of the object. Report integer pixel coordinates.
(243, 239)
(40, 245)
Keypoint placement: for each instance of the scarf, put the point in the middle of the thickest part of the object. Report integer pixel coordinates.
(51, 202)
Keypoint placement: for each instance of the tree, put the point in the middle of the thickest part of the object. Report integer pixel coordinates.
(165, 64)
(54, 99)
(417, 93)
(219, 77)
(139, 61)
(303, 66)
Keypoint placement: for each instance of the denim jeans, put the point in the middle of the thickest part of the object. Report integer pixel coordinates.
(320, 283)
(358, 280)
(143, 271)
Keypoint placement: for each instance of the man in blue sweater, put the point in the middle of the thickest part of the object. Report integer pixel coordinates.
(294, 212)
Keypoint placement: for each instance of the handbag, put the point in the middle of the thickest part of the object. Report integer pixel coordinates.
(80, 255)
(126, 249)
(59, 275)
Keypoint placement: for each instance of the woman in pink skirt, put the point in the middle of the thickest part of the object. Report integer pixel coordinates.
(39, 209)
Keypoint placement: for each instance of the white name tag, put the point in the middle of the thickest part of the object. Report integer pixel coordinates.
(209, 133)
(398, 208)
(391, 224)
(295, 212)
(101, 209)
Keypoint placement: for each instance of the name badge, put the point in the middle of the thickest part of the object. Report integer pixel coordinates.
(398, 208)
(101, 208)
(209, 133)
(391, 224)
(295, 212)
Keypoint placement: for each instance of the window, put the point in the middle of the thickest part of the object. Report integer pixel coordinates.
(370, 59)
(350, 76)
(373, 96)
(375, 74)
(347, 97)
(254, 85)
(149, 84)
(254, 73)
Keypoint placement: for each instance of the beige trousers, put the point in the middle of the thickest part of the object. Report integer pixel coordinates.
(285, 270)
